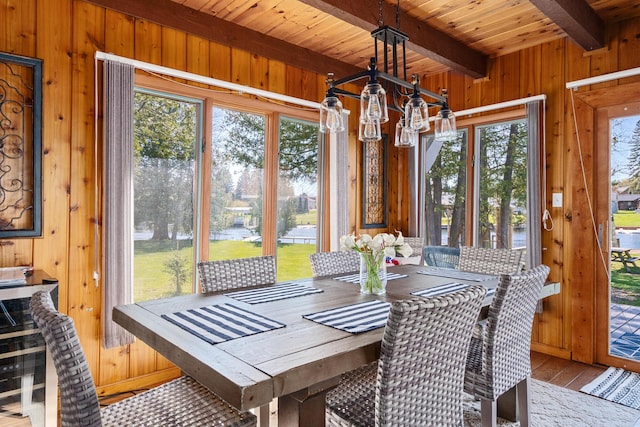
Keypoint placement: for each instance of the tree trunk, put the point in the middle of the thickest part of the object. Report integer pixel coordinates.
(503, 227)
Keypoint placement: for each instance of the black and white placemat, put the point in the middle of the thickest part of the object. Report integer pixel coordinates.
(355, 278)
(277, 292)
(222, 322)
(354, 318)
(446, 289)
(456, 274)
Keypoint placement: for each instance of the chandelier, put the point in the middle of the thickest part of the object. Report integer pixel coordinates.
(406, 97)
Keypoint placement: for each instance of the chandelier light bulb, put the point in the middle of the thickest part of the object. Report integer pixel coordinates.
(405, 136)
(331, 115)
(417, 113)
(369, 130)
(373, 103)
(445, 126)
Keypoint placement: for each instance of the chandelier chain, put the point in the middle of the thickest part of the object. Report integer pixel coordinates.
(398, 15)
(380, 19)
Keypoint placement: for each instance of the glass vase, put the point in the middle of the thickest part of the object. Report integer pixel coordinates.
(373, 273)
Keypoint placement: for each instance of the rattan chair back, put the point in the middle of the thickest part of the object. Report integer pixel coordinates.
(419, 377)
(441, 256)
(490, 261)
(335, 262)
(79, 404)
(499, 356)
(183, 401)
(237, 273)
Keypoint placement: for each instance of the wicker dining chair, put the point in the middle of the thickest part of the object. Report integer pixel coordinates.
(418, 379)
(490, 261)
(441, 256)
(499, 357)
(181, 402)
(335, 262)
(229, 274)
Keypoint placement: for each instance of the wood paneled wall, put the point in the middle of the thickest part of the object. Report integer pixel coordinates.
(67, 33)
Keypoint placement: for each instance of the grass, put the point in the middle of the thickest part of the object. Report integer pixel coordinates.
(152, 280)
(626, 219)
(625, 285)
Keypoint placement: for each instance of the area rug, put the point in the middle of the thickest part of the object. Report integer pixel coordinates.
(616, 385)
(553, 406)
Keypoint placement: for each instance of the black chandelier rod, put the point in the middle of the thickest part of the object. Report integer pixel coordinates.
(380, 75)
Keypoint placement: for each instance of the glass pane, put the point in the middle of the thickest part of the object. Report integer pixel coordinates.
(625, 239)
(165, 134)
(297, 197)
(502, 178)
(237, 161)
(445, 191)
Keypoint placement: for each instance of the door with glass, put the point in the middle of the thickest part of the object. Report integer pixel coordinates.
(618, 219)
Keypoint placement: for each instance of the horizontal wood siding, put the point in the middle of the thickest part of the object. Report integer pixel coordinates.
(67, 33)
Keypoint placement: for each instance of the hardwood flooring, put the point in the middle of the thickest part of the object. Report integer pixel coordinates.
(563, 373)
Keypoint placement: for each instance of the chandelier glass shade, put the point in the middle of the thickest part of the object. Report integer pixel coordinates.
(331, 115)
(407, 98)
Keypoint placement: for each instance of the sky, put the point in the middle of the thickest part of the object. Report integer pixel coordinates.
(623, 128)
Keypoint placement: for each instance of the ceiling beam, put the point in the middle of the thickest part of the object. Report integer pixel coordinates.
(576, 18)
(179, 17)
(423, 39)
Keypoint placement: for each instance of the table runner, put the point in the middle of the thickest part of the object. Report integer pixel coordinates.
(355, 278)
(354, 318)
(446, 289)
(222, 322)
(281, 291)
(456, 274)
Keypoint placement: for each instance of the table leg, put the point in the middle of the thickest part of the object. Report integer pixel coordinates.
(305, 407)
(297, 410)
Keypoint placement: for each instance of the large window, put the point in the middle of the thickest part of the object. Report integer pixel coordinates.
(500, 176)
(475, 189)
(219, 177)
(166, 133)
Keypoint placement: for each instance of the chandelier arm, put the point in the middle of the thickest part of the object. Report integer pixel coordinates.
(405, 84)
(346, 93)
(351, 78)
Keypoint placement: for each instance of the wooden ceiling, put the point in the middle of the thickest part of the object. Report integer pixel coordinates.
(334, 35)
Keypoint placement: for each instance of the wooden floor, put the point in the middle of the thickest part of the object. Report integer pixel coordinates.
(561, 372)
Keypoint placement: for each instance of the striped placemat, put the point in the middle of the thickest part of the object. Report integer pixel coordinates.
(446, 289)
(456, 274)
(277, 292)
(355, 278)
(222, 322)
(354, 318)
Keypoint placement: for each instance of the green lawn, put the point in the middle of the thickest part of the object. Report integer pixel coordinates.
(626, 219)
(625, 286)
(153, 280)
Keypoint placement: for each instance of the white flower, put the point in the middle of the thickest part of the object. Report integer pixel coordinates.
(405, 250)
(389, 240)
(381, 243)
(348, 241)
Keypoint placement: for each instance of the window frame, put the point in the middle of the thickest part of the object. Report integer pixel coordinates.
(272, 111)
(470, 125)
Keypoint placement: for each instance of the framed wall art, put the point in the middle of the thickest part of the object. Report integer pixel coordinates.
(20, 146)
(374, 183)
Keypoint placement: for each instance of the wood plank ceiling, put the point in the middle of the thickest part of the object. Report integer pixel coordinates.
(334, 35)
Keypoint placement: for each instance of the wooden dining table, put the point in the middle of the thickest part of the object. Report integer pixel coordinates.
(297, 363)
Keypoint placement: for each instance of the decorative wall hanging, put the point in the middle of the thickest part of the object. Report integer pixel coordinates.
(20, 146)
(374, 183)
